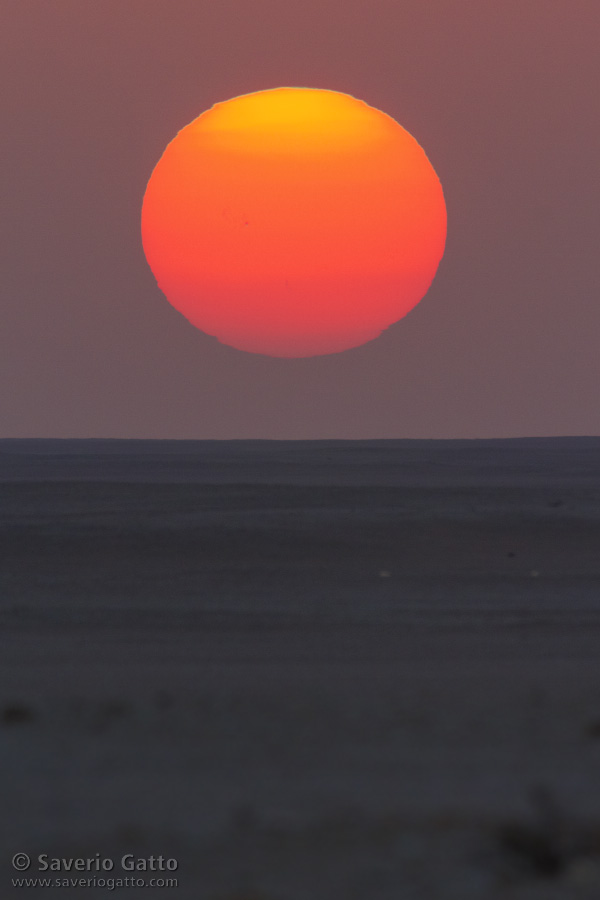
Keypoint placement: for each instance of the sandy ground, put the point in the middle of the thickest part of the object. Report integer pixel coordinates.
(332, 670)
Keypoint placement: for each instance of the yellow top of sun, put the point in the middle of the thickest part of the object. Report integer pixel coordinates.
(292, 119)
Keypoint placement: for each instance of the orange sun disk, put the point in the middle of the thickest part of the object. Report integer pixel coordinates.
(294, 222)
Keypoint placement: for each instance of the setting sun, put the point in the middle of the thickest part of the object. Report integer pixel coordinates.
(294, 222)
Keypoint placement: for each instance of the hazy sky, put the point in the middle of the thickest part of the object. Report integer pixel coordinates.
(503, 97)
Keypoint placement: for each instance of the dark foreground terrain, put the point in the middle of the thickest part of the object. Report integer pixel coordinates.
(322, 670)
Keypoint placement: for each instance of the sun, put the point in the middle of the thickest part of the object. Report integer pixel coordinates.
(294, 222)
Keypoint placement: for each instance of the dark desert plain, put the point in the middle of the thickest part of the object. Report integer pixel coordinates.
(305, 669)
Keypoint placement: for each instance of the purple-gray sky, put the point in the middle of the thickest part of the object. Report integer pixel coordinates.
(502, 96)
